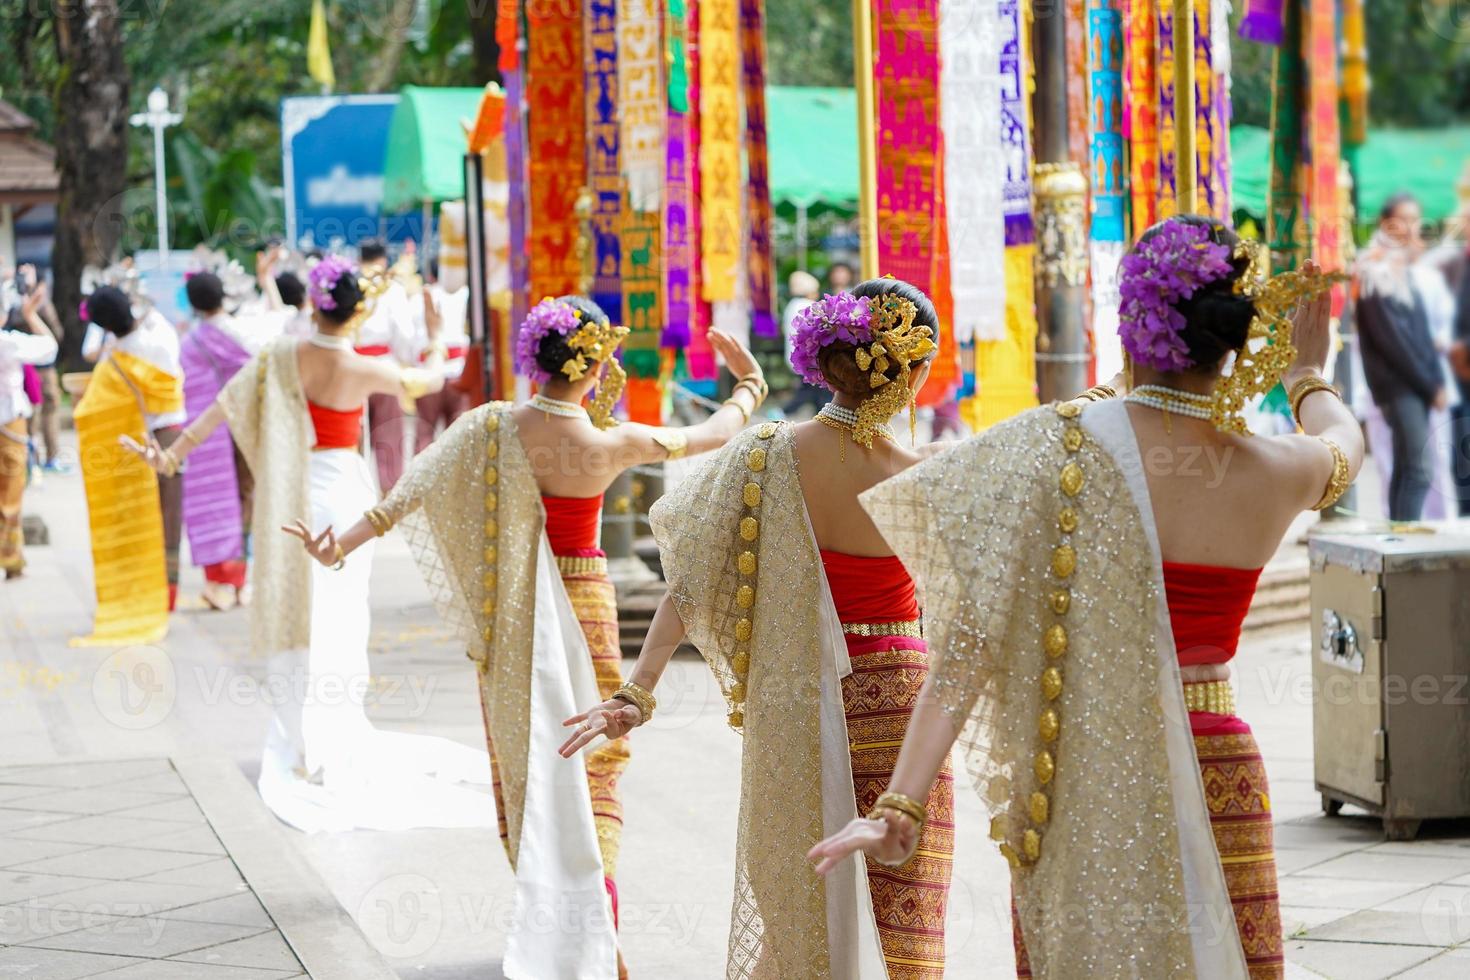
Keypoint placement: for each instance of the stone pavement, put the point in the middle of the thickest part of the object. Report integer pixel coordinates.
(434, 903)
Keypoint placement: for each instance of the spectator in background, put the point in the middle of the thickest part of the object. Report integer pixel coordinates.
(44, 422)
(1459, 362)
(1399, 357)
(32, 345)
(389, 333)
(839, 277)
(450, 310)
(804, 289)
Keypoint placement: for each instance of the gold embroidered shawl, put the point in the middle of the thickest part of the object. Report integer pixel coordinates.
(1041, 595)
(268, 419)
(745, 577)
(471, 512)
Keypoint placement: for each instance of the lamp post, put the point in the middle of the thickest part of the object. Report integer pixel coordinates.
(159, 118)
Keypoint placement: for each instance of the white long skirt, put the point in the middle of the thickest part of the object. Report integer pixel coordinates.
(325, 767)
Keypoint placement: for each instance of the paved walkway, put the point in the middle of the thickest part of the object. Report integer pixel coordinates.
(435, 903)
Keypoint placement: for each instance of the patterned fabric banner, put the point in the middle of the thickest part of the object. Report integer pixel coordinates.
(604, 172)
(1168, 139)
(1209, 124)
(700, 356)
(1141, 121)
(906, 66)
(719, 146)
(642, 102)
(1109, 231)
(760, 263)
(1286, 223)
(557, 146)
(1323, 133)
(969, 106)
(1015, 127)
(676, 15)
(642, 281)
(1220, 60)
(677, 266)
(1078, 86)
(507, 35)
(1354, 74)
(515, 208)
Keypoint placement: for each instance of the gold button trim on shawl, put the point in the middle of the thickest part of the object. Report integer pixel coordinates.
(1055, 641)
(766, 430)
(737, 692)
(1069, 410)
(1031, 844)
(1049, 725)
(736, 719)
(1061, 601)
(1051, 683)
(1071, 480)
(747, 563)
(492, 476)
(1067, 520)
(491, 500)
(750, 528)
(1063, 561)
(742, 630)
(752, 495)
(740, 663)
(490, 553)
(1072, 439)
(1040, 806)
(745, 597)
(756, 460)
(1045, 767)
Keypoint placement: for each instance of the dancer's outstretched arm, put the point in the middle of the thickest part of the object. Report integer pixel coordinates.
(168, 461)
(891, 835)
(615, 717)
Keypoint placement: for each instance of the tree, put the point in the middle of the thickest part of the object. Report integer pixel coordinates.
(91, 138)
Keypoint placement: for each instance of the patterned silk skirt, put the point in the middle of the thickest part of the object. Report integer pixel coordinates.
(908, 902)
(1239, 801)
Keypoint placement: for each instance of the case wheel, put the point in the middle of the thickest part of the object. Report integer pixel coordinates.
(1330, 806)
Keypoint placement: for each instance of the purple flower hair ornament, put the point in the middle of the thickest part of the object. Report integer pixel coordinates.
(835, 317)
(546, 317)
(1157, 275)
(323, 279)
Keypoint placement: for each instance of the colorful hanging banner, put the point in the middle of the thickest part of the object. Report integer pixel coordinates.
(507, 34)
(604, 169)
(642, 303)
(556, 141)
(1164, 95)
(1015, 126)
(700, 357)
(760, 264)
(1287, 228)
(1221, 61)
(1354, 74)
(676, 186)
(1109, 229)
(719, 146)
(906, 69)
(1141, 118)
(1323, 133)
(642, 101)
(1209, 125)
(1078, 86)
(944, 369)
(969, 107)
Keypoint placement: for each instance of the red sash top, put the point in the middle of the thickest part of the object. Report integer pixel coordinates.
(1207, 604)
(870, 590)
(335, 429)
(571, 524)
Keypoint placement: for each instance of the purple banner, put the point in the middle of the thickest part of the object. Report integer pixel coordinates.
(515, 211)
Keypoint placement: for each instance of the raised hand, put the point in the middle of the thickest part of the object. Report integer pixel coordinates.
(737, 356)
(612, 719)
(888, 838)
(323, 547)
(432, 317)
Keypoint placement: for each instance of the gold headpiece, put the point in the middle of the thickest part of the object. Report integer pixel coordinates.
(372, 286)
(896, 340)
(597, 341)
(1268, 350)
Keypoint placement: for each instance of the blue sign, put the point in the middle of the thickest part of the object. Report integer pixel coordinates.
(332, 148)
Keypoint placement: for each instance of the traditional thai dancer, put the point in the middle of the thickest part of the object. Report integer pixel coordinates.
(135, 391)
(217, 484)
(811, 625)
(501, 512)
(387, 335)
(1086, 568)
(36, 345)
(295, 412)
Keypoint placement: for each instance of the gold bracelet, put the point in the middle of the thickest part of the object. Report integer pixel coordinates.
(379, 520)
(188, 434)
(907, 805)
(171, 464)
(744, 412)
(1303, 388)
(341, 558)
(639, 697)
(1338, 482)
(674, 443)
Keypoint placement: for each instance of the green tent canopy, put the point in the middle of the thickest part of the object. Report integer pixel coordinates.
(426, 146)
(812, 134)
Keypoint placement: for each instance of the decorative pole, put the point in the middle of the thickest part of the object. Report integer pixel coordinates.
(862, 40)
(1185, 185)
(1061, 222)
(159, 118)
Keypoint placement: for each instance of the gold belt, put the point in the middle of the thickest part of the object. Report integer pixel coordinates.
(581, 564)
(909, 627)
(1216, 697)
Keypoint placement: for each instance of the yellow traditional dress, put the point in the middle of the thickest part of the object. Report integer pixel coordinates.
(820, 680)
(1035, 549)
(128, 562)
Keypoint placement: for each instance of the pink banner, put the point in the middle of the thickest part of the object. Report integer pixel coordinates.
(907, 74)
